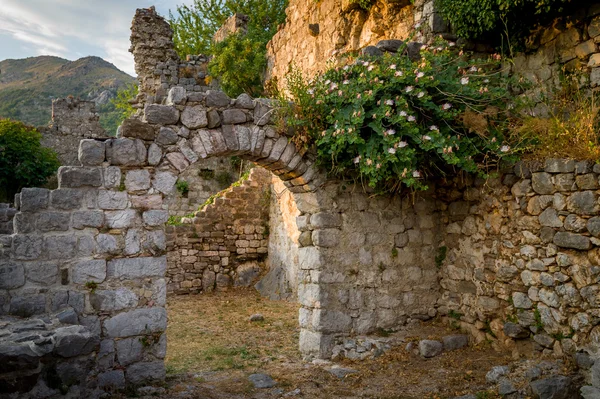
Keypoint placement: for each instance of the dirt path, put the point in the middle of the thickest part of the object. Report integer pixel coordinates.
(213, 348)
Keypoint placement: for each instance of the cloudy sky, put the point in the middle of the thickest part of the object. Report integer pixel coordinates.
(73, 29)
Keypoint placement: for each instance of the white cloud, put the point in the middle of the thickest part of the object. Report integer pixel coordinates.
(74, 28)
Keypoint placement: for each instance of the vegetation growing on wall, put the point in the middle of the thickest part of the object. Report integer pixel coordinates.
(396, 122)
(23, 161)
(240, 60)
(472, 19)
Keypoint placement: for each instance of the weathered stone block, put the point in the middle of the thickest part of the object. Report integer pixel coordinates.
(136, 129)
(140, 373)
(323, 220)
(326, 237)
(12, 275)
(89, 271)
(66, 198)
(27, 306)
(430, 348)
(167, 136)
(233, 117)
(60, 247)
(73, 176)
(137, 180)
(43, 273)
(107, 244)
(74, 341)
(216, 98)
(136, 322)
(34, 199)
(112, 200)
(161, 114)
(263, 112)
(164, 182)
(194, 117)
(550, 218)
(129, 350)
(155, 217)
(454, 342)
(154, 154)
(27, 247)
(114, 379)
(137, 267)
(583, 203)
(571, 240)
(177, 95)
(91, 152)
(111, 300)
(83, 219)
(125, 151)
(542, 183)
(121, 219)
(53, 221)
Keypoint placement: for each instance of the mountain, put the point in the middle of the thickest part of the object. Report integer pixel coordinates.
(27, 87)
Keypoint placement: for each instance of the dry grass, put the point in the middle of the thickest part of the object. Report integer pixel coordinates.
(213, 332)
(213, 348)
(570, 131)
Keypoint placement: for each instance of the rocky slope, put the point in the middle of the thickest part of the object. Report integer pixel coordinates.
(27, 86)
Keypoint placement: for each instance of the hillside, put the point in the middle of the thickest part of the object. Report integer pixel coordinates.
(27, 87)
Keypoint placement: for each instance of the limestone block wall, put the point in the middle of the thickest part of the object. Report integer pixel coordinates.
(377, 264)
(316, 32)
(72, 120)
(281, 280)
(525, 251)
(227, 243)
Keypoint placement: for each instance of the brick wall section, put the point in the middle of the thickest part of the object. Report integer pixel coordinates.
(227, 242)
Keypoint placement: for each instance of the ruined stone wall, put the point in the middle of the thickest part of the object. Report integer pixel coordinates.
(281, 281)
(523, 256)
(316, 32)
(226, 243)
(72, 121)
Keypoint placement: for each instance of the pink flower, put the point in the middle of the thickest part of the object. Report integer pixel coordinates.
(389, 102)
(392, 150)
(409, 89)
(369, 162)
(398, 73)
(402, 113)
(393, 66)
(464, 81)
(420, 75)
(390, 132)
(402, 144)
(446, 106)
(434, 128)
(411, 118)
(426, 137)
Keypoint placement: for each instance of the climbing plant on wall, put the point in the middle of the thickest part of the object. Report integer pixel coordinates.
(395, 122)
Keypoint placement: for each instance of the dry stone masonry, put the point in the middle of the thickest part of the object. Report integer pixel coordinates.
(226, 243)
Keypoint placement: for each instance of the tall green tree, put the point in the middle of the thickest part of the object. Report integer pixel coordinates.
(23, 160)
(239, 61)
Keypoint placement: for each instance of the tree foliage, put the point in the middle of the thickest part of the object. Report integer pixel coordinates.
(121, 101)
(474, 18)
(239, 61)
(23, 160)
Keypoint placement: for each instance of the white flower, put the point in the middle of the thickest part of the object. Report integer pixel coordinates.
(333, 86)
(366, 63)
(446, 106)
(393, 66)
(389, 102)
(486, 81)
(327, 82)
(420, 75)
(426, 138)
(473, 69)
(402, 113)
(434, 128)
(411, 118)
(464, 81)
(370, 68)
(346, 82)
(402, 144)
(420, 95)
(416, 174)
(346, 67)
(357, 159)
(390, 132)
(409, 89)
(398, 73)
(392, 150)
(311, 91)
(504, 148)
(451, 44)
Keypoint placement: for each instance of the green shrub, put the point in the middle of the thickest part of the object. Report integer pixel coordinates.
(183, 187)
(23, 160)
(239, 61)
(473, 19)
(393, 122)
